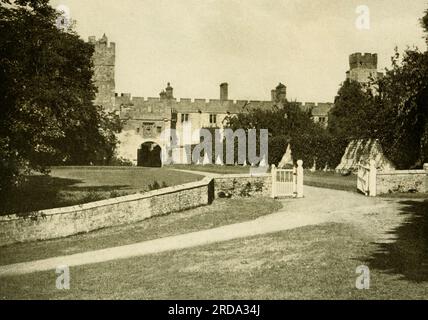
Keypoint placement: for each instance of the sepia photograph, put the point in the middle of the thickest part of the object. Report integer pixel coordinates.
(232, 151)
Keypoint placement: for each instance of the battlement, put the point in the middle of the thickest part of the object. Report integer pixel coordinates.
(360, 60)
(127, 96)
(140, 105)
(102, 42)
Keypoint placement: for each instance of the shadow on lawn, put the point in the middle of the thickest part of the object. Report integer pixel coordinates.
(408, 254)
(45, 192)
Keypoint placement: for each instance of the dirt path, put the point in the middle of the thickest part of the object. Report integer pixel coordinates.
(318, 206)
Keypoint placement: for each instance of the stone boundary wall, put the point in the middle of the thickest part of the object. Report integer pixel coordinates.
(241, 185)
(66, 221)
(402, 181)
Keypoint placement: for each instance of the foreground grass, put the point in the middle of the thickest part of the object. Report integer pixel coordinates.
(314, 262)
(66, 186)
(220, 212)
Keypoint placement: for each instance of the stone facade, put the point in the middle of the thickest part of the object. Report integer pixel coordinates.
(242, 185)
(62, 222)
(402, 181)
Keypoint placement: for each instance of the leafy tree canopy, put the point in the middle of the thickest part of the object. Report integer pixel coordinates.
(46, 92)
(288, 124)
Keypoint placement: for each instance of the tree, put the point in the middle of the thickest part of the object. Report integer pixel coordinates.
(397, 114)
(424, 23)
(287, 123)
(46, 94)
(404, 97)
(355, 114)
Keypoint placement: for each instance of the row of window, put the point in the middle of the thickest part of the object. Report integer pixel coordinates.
(185, 118)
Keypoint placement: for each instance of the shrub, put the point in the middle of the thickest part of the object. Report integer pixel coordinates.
(154, 186)
(246, 190)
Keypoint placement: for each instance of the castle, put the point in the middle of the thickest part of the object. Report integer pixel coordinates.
(146, 118)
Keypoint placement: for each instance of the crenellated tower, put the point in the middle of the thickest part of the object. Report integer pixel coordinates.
(363, 67)
(104, 63)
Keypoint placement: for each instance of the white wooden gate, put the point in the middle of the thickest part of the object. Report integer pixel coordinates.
(287, 182)
(366, 178)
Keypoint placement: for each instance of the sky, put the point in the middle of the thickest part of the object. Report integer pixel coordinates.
(251, 44)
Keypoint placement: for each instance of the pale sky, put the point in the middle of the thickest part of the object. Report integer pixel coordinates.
(251, 44)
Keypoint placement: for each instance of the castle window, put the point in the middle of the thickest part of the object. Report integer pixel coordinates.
(184, 117)
(138, 130)
(213, 118)
(159, 129)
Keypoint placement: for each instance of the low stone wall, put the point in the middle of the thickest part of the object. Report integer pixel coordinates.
(61, 222)
(241, 185)
(401, 181)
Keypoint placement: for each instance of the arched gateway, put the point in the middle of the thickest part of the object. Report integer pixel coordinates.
(149, 155)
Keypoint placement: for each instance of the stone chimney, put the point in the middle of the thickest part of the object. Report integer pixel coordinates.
(273, 95)
(169, 91)
(281, 92)
(224, 91)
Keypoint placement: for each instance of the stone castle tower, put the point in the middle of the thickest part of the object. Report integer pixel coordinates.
(363, 67)
(279, 93)
(104, 62)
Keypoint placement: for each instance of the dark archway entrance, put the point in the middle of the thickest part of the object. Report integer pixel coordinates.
(149, 155)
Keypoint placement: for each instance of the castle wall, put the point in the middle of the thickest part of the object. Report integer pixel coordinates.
(148, 117)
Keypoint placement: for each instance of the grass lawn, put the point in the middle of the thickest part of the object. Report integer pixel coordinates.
(319, 179)
(330, 180)
(220, 212)
(314, 262)
(213, 168)
(67, 186)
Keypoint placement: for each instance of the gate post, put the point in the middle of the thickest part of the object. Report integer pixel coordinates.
(372, 178)
(426, 176)
(299, 186)
(273, 173)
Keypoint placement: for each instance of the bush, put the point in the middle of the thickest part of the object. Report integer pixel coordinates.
(246, 190)
(156, 185)
(120, 162)
(92, 196)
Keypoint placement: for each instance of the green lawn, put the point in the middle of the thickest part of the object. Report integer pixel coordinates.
(330, 180)
(67, 186)
(213, 168)
(314, 262)
(320, 179)
(220, 212)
